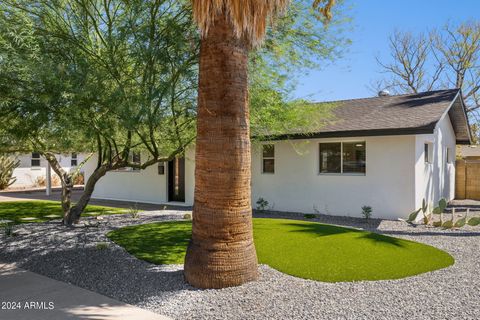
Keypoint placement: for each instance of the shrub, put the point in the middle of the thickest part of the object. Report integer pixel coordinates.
(79, 178)
(367, 212)
(40, 182)
(7, 165)
(262, 204)
(102, 245)
(134, 212)
(309, 216)
(8, 228)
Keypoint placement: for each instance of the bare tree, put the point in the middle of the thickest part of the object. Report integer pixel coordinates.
(459, 49)
(411, 69)
(448, 57)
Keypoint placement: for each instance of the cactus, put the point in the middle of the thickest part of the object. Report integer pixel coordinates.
(7, 165)
(442, 205)
(475, 221)
(451, 223)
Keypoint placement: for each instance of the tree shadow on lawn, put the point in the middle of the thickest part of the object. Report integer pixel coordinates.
(322, 230)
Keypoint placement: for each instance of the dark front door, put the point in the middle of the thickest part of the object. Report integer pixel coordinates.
(176, 180)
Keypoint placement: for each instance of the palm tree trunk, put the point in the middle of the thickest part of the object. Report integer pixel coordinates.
(221, 252)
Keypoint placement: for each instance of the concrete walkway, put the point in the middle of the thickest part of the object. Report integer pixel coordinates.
(36, 297)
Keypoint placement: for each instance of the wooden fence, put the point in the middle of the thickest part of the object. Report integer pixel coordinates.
(467, 179)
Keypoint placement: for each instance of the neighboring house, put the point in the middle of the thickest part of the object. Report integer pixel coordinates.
(32, 169)
(469, 152)
(388, 152)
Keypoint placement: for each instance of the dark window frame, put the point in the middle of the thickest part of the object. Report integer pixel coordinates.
(35, 160)
(74, 159)
(342, 158)
(161, 168)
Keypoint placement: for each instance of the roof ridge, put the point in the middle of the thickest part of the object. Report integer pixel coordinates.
(386, 97)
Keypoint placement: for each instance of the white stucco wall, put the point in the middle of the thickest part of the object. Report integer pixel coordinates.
(141, 186)
(297, 185)
(396, 179)
(435, 180)
(27, 175)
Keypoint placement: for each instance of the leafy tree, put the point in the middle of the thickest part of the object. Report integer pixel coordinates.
(103, 76)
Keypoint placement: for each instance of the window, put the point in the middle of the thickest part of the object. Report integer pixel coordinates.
(330, 158)
(133, 157)
(268, 165)
(343, 157)
(35, 159)
(449, 155)
(428, 152)
(161, 168)
(73, 161)
(353, 157)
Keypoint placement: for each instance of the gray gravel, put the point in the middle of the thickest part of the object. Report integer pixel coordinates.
(72, 256)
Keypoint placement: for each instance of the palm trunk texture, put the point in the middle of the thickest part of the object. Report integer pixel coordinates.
(221, 252)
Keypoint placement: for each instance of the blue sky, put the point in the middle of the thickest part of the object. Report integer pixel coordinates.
(373, 22)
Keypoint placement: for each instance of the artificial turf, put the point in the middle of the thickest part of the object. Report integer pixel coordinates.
(37, 211)
(299, 248)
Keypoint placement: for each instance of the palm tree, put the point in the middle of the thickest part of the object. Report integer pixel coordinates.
(221, 252)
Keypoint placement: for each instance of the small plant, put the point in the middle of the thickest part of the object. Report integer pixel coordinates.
(262, 204)
(134, 212)
(79, 178)
(309, 216)
(102, 245)
(367, 212)
(187, 216)
(8, 228)
(442, 205)
(426, 217)
(7, 165)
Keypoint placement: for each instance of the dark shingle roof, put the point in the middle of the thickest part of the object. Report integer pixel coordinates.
(392, 115)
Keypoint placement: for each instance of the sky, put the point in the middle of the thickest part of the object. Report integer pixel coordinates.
(372, 23)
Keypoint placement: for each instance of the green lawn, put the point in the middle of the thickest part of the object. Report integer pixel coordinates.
(37, 211)
(300, 248)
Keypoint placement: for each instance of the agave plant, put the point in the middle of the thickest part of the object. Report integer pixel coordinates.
(7, 165)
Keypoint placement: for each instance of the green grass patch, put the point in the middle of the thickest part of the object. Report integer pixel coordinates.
(303, 249)
(41, 211)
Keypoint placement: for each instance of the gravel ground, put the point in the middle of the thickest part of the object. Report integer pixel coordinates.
(73, 256)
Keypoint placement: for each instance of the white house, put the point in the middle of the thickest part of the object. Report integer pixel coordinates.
(32, 169)
(388, 152)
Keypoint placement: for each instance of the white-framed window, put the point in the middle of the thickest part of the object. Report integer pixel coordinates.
(35, 161)
(343, 157)
(268, 158)
(74, 160)
(428, 152)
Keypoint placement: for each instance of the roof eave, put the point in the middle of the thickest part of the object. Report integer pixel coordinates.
(428, 129)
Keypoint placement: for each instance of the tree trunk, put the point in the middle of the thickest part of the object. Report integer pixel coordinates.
(67, 183)
(76, 211)
(67, 188)
(221, 252)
